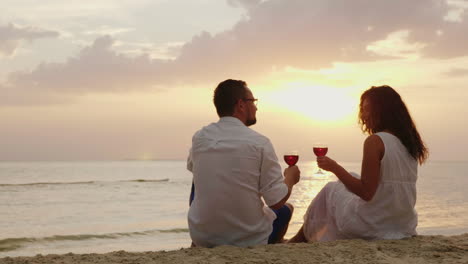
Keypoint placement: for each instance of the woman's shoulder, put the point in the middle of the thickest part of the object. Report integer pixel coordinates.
(374, 139)
(388, 137)
(392, 144)
(385, 133)
(375, 146)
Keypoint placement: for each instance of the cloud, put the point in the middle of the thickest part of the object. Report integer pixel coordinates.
(456, 72)
(97, 68)
(107, 30)
(166, 51)
(314, 34)
(247, 4)
(275, 34)
(11, 37)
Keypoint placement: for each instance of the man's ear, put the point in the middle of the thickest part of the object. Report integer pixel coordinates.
(241, 104)
(238, 107)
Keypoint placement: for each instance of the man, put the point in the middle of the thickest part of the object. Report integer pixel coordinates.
(233, 168)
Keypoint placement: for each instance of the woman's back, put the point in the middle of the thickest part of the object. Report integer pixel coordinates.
(390, 214)
(396, 164)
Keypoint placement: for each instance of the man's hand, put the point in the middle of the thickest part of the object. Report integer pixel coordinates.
(292, 176)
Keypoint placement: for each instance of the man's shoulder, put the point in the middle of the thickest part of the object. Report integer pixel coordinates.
(218, 130)
(255, 138)
(204, 130)
(257, 135)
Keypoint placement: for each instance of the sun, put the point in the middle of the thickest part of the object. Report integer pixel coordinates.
(318, 103)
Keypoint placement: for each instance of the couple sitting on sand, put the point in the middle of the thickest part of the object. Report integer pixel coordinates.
(236, 172)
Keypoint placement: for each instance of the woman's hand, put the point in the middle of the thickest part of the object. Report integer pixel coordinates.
(327, 164)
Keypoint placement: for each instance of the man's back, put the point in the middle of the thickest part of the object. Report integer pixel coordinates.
(233, 167)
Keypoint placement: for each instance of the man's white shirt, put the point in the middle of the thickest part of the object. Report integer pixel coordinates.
(233, 168)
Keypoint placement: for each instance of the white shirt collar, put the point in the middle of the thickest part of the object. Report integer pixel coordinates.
(231, 119)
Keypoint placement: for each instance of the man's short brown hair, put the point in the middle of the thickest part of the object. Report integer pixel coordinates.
(226, 95)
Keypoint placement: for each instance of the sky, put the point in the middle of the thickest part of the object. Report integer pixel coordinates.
(134, 79)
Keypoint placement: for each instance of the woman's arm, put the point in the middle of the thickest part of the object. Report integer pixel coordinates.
(370, 173)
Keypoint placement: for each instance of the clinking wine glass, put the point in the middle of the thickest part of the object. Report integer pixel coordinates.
(291, 157)
(320, 150)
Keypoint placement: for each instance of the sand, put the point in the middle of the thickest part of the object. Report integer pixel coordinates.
(420, 249)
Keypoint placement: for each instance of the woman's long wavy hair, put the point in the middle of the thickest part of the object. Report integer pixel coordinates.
(389, 112)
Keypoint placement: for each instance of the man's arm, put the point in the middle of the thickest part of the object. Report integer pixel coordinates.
(291, 177)
(190, 168)
(275, 188)
(189, 161)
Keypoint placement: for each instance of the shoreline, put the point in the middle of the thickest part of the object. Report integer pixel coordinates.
(419, 249)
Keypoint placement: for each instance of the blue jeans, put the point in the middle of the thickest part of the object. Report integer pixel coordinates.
(283, 216)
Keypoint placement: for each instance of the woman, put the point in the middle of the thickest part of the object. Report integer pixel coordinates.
(379, 204)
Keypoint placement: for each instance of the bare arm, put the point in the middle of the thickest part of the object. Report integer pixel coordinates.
(291, 177)
(370, 173)
(190, 161)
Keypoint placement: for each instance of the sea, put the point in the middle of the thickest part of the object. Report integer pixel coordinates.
(98, 207)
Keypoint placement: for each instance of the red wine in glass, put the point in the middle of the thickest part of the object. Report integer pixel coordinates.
(291, 160)
(291, 157)
(320, 150)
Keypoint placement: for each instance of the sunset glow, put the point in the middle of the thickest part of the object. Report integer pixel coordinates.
(317, 103)
(135, 79)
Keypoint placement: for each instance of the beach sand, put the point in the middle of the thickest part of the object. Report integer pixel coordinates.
(420, 249)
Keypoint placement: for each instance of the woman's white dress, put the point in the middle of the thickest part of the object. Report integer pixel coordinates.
(336, 213)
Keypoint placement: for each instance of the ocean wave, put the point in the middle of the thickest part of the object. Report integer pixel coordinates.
(10, 244)
(81, 182)
(45, 183)
(143, 180)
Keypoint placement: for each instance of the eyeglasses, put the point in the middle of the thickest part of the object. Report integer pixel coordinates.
(254, 100)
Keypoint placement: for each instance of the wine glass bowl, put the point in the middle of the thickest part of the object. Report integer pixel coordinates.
(291, 157)
(320, 150)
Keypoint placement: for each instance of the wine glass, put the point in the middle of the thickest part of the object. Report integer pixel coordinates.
(291, 157)
(320, 149)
